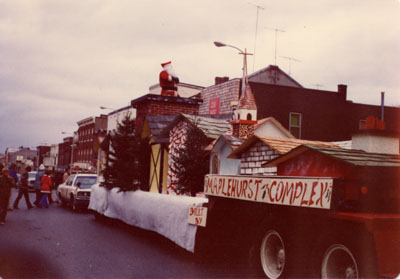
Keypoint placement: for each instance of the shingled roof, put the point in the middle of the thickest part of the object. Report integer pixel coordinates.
(350, 156)
(157, 123)
(247, 100)
(281, 145)
(211, 127)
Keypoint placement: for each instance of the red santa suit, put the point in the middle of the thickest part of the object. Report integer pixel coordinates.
(168, 81)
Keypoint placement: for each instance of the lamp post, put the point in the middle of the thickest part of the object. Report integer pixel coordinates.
(101, 107)
(244, 53)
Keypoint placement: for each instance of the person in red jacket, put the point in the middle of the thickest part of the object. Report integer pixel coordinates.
(168, 80)
(46, 188)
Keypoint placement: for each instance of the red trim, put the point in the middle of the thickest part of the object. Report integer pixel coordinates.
(243, 122)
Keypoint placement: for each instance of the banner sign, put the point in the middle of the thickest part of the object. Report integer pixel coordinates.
(197, 216)
(214, 106)
(292, 191)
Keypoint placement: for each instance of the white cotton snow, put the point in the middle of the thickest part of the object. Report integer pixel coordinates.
(164, 214)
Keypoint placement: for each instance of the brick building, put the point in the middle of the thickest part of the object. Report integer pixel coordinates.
(89, 130)
(153, 113)
(307, 113)
(64, 153)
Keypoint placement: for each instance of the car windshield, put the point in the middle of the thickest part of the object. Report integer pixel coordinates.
(86, 181)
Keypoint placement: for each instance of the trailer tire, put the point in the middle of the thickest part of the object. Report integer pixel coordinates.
(339, 262)
(268, 255)
(344, 258)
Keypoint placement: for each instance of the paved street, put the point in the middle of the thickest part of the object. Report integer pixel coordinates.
(58, 243)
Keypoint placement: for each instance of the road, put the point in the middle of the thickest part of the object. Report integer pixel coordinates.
(59, 243)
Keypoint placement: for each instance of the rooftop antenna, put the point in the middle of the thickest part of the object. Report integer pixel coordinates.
(276, 38)
(255, 36)
(317, 85)
(290, 62)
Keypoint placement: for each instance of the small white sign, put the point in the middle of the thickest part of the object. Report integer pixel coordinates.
(197, 216)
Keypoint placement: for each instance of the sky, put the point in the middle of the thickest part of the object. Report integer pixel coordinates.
(61, 60)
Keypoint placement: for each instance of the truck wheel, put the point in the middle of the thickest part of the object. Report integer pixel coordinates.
(272, 254)
(339, 262)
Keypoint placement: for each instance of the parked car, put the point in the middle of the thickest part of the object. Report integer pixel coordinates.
(31, 180)
(76, 190)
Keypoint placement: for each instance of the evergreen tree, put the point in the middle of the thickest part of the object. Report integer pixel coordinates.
(192, 162)
(128, 159)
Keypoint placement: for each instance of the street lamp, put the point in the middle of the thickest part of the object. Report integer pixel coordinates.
(101, 107)
(244, 53)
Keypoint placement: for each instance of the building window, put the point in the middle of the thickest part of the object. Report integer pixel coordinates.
(295, 124)
(248, 116)
(215, 165)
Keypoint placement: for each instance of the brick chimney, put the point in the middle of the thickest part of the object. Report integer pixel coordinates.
(342, 90)
(152, 104)
(219, 80)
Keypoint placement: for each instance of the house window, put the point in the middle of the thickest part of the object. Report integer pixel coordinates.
(215, 165)
(295, 124)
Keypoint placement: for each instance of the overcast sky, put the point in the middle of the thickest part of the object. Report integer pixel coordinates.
(61, 60)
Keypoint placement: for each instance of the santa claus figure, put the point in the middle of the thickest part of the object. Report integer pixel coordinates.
(168, 80)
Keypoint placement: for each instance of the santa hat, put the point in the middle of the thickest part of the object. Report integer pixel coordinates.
(165, 64)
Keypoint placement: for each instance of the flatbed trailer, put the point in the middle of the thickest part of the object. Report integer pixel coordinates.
(308, 227)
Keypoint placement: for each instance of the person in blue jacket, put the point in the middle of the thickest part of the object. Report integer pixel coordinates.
(38, 184)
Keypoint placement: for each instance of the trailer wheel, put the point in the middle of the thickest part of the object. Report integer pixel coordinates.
(339, 262)
(272, 254)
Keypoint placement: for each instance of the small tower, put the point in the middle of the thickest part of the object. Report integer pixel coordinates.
(245, 114)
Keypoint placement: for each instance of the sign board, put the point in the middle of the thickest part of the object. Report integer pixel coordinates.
(214, 106)
(197, 216)
(312, 192)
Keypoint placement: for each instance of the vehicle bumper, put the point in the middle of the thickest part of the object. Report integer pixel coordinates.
(82, 201)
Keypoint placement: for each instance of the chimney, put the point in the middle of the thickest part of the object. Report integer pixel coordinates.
(342, 90)
(373, 138)
(219, 80)
(383, 106)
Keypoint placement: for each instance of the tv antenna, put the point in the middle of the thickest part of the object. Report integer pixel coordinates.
(290, 62)
(255, 37)
(317, 85)
(276, 37)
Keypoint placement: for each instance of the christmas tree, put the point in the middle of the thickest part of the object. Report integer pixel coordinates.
(191, 162)
(128, 159)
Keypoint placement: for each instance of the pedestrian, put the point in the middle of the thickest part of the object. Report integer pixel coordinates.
(23, 189)
(6, 183)
(38, 184)
(13, 174)
(66, 175)
(50, 196)
(46, 189)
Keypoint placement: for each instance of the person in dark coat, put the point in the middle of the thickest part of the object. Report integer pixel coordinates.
(23, 189)
(13, 174)
(6, 184)
(38, 184)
